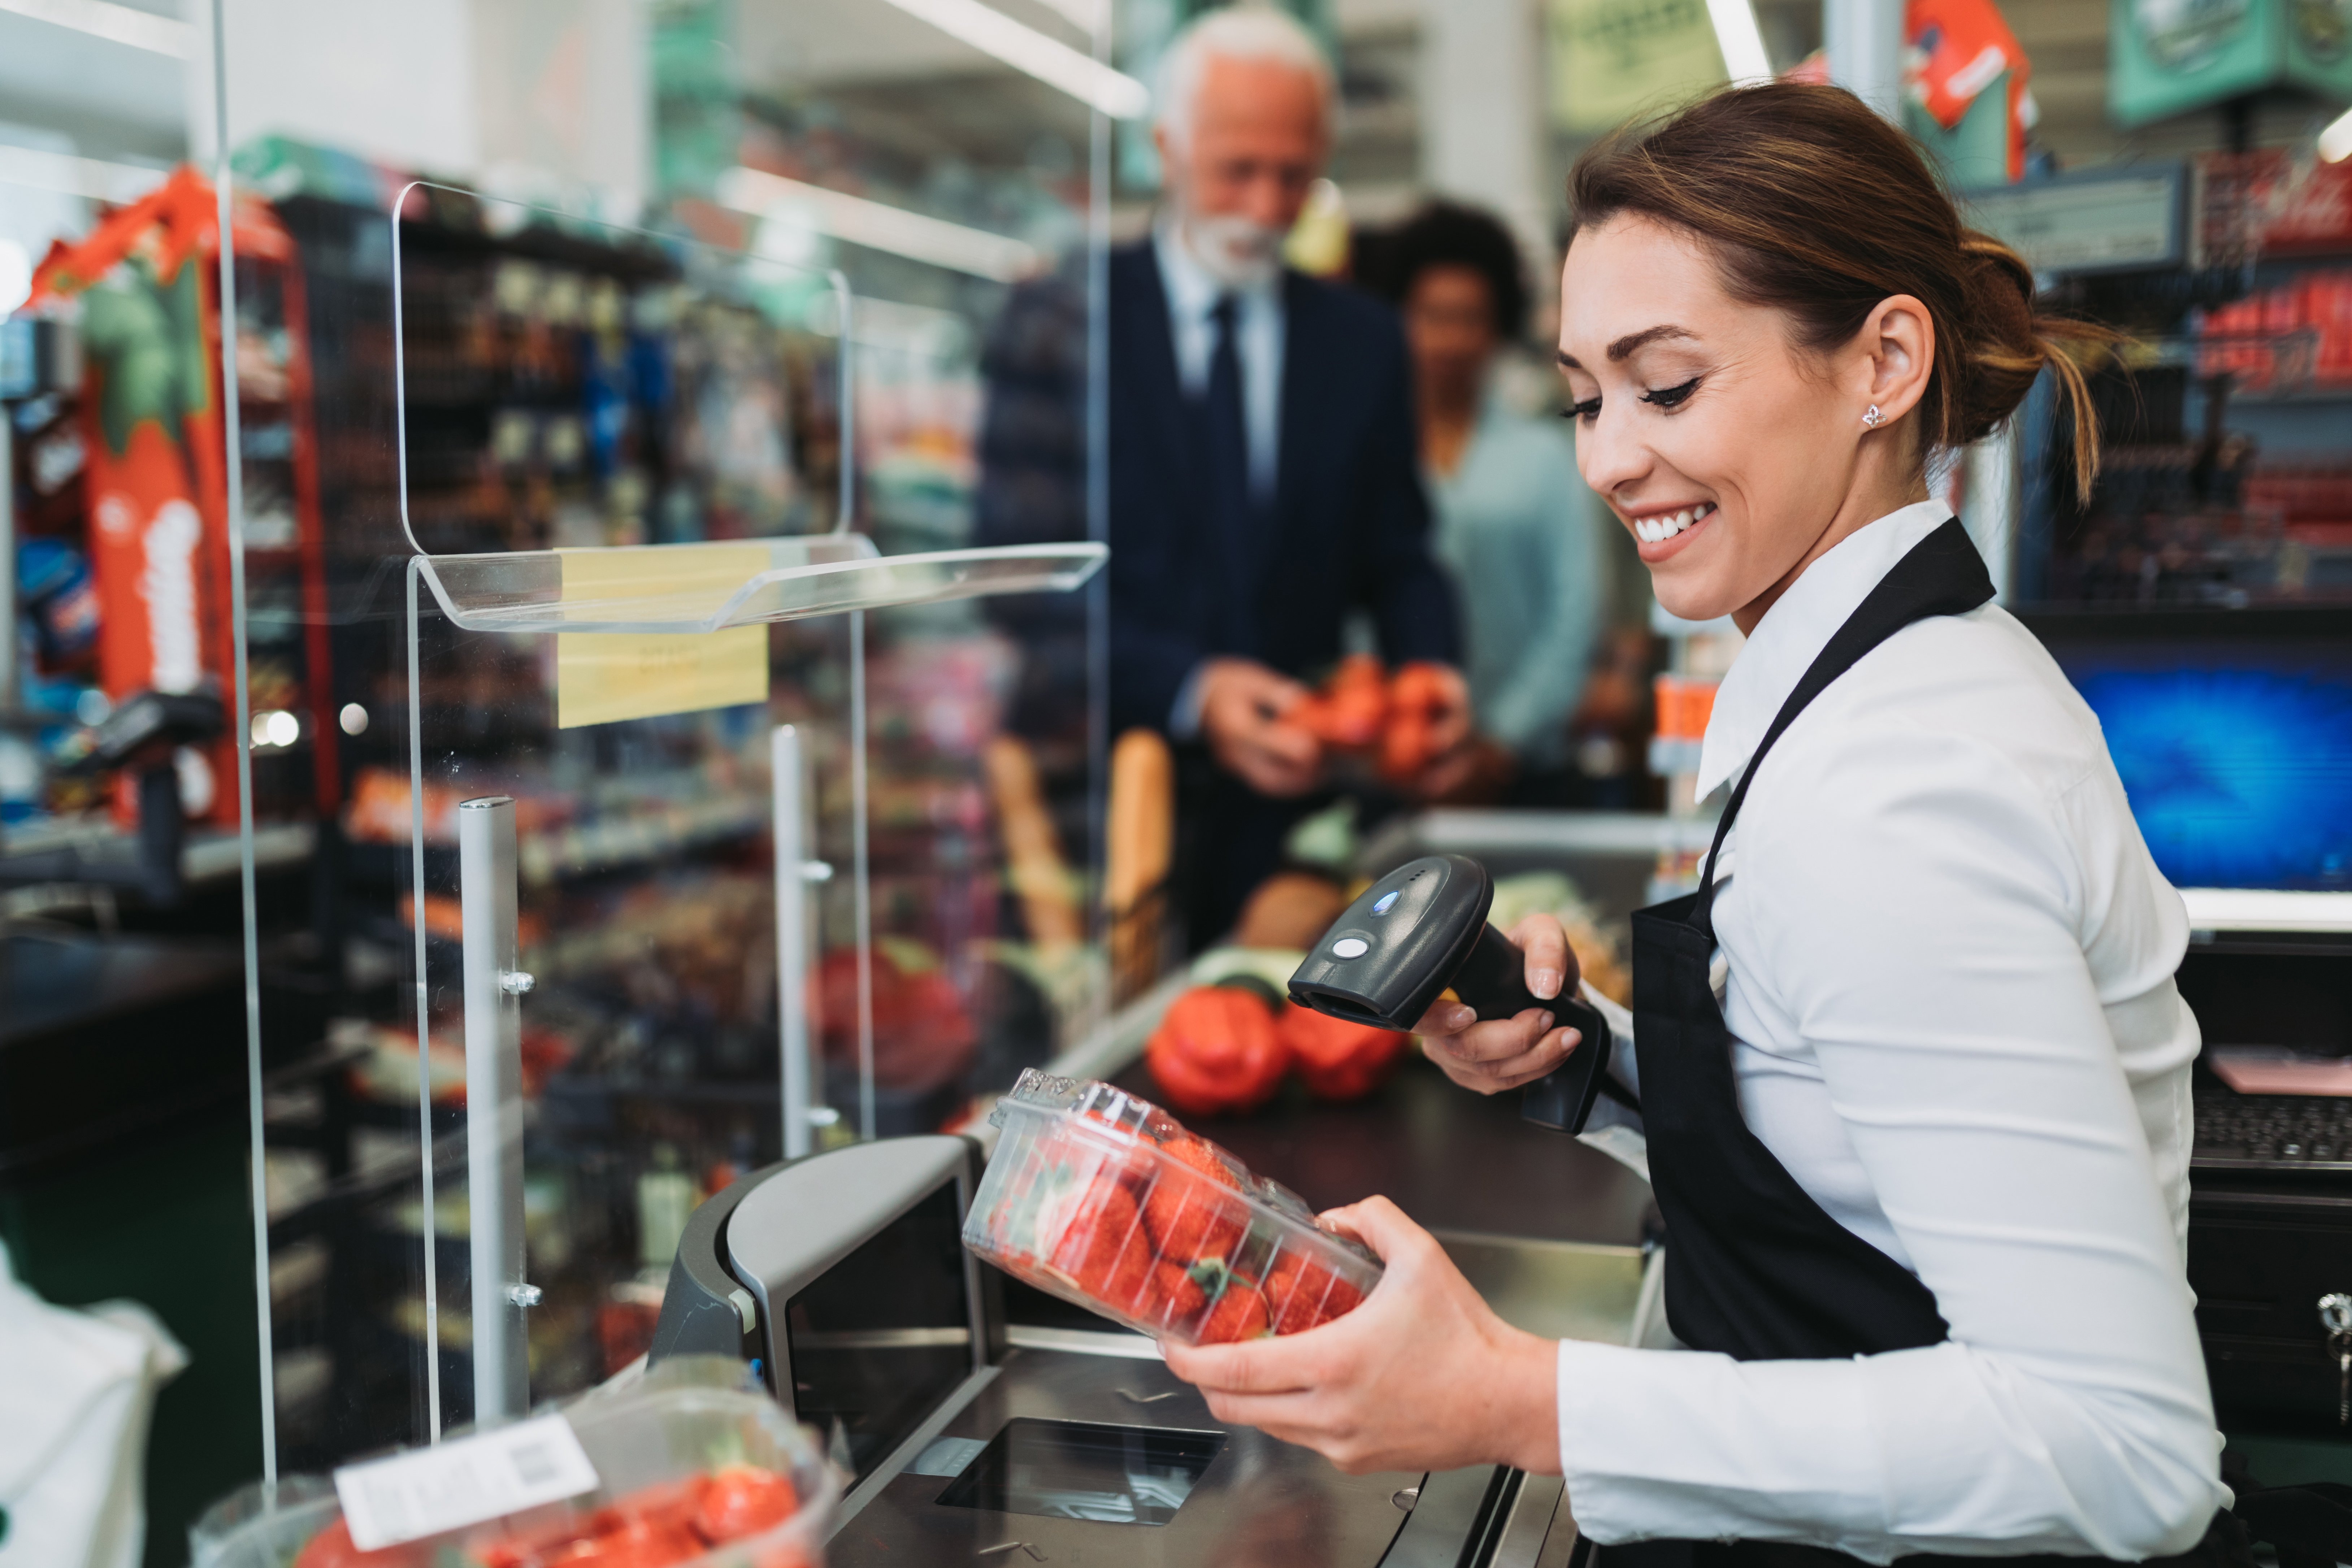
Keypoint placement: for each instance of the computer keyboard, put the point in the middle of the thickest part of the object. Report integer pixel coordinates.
(2271, 1132)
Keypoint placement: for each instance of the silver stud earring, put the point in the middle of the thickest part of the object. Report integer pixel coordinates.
(1872, 416)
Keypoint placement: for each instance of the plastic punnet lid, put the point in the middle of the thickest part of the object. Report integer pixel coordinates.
(1105, 1200)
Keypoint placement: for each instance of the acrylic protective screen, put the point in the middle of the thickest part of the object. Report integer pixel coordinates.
(1081, 1469)
(883, 1336)
(2236, 753)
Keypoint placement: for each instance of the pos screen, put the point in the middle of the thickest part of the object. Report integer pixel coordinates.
(882, 1337)
(2232, 735)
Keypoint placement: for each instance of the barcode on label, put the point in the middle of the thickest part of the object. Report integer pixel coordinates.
(425, 1492)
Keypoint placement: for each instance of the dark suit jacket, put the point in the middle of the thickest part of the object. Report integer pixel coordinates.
(1349, 523)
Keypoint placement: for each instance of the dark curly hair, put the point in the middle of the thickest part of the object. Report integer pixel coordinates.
(1445, 233)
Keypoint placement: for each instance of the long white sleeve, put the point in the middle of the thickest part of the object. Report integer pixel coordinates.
(1949, 975)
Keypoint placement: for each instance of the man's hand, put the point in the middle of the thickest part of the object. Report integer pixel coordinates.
(1505, 1053)
(1242, 703)
(1423, 1376)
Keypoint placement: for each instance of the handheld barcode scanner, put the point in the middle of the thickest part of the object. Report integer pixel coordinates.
(1423, 928)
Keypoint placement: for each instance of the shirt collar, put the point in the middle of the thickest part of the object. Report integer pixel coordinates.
(1796, 629)
(1193, 290)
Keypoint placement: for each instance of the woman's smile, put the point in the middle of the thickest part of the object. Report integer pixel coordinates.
(1662, 535)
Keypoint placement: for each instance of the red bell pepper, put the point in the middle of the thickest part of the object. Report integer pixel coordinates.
(1340, 1060)
(1218, 1050)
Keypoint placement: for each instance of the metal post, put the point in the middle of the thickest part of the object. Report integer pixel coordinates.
(494, 989)
(8, 559)
(1863, 40)
(1994, 505)
(788, 786)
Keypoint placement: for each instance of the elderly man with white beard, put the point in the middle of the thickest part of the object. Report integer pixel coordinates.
(1263, 478)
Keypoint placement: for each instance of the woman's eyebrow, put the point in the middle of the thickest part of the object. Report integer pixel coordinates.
(1624, 346)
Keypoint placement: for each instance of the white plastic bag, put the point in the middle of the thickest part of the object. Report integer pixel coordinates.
(77, 1388)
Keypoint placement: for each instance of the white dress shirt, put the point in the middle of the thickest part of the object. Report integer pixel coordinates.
(1192, 296)
(1946, 962)
(1258, 329)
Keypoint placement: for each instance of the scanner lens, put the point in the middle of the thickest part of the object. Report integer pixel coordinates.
(1387, 900)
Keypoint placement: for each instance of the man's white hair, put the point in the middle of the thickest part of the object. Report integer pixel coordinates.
(1234, 33)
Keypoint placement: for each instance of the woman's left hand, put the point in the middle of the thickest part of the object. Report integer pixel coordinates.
(1423, 1376)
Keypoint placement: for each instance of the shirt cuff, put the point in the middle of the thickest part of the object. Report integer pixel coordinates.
(1688, 1445)
(1184, 713)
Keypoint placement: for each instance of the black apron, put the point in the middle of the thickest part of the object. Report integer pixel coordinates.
(1754, 1267)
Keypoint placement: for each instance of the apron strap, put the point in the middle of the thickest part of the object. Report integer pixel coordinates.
(1941, 575)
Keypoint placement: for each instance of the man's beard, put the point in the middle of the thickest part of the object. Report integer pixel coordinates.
(1237, 251)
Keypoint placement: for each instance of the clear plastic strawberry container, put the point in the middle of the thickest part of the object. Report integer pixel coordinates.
(691, 1477)
(1105, 1200)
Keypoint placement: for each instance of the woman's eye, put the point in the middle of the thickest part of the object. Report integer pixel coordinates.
(1587, 409)
(1671, 396)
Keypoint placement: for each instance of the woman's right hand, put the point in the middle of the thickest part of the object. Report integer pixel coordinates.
(1505, 1053)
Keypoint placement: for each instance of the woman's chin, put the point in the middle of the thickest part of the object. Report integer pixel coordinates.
(1688, 601)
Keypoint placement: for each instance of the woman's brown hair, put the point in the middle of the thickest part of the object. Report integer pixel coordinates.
(1815, 204)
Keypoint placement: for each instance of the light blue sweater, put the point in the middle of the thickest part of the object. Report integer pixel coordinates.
(1520, 532)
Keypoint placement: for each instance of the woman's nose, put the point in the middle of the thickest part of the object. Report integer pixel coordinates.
(1607, 455)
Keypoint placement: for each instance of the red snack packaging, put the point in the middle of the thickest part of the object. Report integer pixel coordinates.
(1340, 1060)
(1218, 1049)
(1105, 1200)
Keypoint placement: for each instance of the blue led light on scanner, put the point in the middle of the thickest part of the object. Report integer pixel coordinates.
(1385, 902)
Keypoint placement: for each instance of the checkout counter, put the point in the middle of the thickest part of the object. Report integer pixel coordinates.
(969, 1431)
(979, 1420)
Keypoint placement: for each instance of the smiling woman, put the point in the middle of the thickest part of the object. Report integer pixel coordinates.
(1772, 279)
(1911, 1068)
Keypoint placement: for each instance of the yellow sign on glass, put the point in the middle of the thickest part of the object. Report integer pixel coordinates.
(1614, 58)
(603, 676)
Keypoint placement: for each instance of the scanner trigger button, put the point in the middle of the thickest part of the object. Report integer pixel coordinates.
(1350, 947)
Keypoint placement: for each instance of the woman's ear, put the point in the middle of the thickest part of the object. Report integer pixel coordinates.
(1898, 344)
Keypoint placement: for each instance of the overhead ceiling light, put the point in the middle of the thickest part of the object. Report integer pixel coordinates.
(1049, 59)
(1740, 38)
(2336, 141)
(878, 226)
(117, 24)
(92, 177)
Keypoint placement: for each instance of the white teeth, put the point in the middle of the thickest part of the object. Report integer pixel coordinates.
(1659, 528)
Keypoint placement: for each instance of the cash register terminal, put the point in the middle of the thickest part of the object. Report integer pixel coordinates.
(963, 1438)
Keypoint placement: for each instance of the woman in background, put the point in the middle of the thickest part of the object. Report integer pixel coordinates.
(1515, 524)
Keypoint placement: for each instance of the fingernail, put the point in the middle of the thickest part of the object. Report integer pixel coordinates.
(1463, 1017)
(1545, 1024)
(1546, 982)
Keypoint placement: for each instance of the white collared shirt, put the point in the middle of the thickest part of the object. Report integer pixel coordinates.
(1948, 966)
(1192, 296)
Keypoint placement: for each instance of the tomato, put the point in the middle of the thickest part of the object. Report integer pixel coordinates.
(1217, 1051)
(1239, 1314)
(1340, 1060)
(1304, 1295)
(743, 1500)
(1175, 1299)
(1417, 699)
(1104, 1250)
(1193, 1216)
(332, 1548)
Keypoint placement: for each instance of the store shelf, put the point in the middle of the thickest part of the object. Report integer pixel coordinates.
(209, 854)
(706, 587)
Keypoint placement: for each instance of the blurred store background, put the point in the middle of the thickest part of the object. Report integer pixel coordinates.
(544, 278)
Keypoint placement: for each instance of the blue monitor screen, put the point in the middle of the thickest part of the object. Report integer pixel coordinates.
(2236, 753)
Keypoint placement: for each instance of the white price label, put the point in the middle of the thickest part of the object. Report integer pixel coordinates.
(410, 1496)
